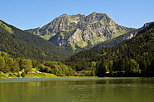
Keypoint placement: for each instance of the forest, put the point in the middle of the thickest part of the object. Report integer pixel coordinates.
(22, 44)
(134, 57)
(22, 55)
(20, 67)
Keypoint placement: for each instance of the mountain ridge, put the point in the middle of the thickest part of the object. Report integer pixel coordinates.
(124, 37)
(133, 57)
(25, 43)
(80, 32)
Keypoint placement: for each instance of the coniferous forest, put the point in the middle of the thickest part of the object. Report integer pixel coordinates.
(134, 57)
(23, 53)
(76, 51)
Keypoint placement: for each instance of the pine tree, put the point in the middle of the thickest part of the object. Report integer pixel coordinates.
(101, 69)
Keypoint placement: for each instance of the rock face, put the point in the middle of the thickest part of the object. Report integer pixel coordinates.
(124, 37)
(78, 32)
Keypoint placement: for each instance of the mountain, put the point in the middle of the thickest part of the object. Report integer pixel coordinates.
(79, 32)
(132, 57)
(121, 38)
(19, 43)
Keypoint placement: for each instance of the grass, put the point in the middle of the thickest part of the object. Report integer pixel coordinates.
(73, 47)
(48, 36)
(34, 75)
(92, 41)
(7, 75)
(62, 34)
(81, 44)
(118, 34)
(30, 75)
(7, 28)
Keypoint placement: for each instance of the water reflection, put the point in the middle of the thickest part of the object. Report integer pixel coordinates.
(94, 90)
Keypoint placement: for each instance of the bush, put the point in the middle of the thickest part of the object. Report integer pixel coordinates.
(23, 74)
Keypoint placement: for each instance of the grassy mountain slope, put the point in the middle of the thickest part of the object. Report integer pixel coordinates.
(117, 40)
(134, 56)
(80, 32)
(23, 44)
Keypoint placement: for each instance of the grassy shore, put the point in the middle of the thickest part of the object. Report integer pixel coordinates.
(30, 75)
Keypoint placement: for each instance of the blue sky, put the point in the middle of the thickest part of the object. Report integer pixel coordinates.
(26, 14)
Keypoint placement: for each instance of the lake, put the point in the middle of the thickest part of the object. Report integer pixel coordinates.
(77, 89)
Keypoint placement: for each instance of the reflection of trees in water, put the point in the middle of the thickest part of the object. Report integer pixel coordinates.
(96, 90)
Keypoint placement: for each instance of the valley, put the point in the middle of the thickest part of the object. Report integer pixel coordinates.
(116, 50)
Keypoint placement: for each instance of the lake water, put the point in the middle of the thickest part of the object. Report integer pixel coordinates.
(77, 89)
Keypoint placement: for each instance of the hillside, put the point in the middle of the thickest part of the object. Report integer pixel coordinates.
(133, 57)
(19, 43)
(11, 67)
(80, 32)
(117, 40)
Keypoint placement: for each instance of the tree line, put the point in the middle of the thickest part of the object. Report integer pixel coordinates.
(134, 57)
(22, 66)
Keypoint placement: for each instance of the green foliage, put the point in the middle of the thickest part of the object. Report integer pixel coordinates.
(81, 44)
(25, 45)
(34, 75)
(134, 66)
(14, 65)
(23, 74)
(2, 63)
(104, 67)
(101, 69)
(56, 68)
(6, 27)
(86, 73)
(132, 57)
(73, 47)
(6, 69)
(18, 67)
(93, 28)
(25, 64)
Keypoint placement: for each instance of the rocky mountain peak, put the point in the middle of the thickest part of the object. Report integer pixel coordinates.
(63, 15)
(98, 16)
(78, 32)
(148, 24)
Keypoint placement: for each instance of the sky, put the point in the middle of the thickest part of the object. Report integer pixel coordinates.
(28, 14)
